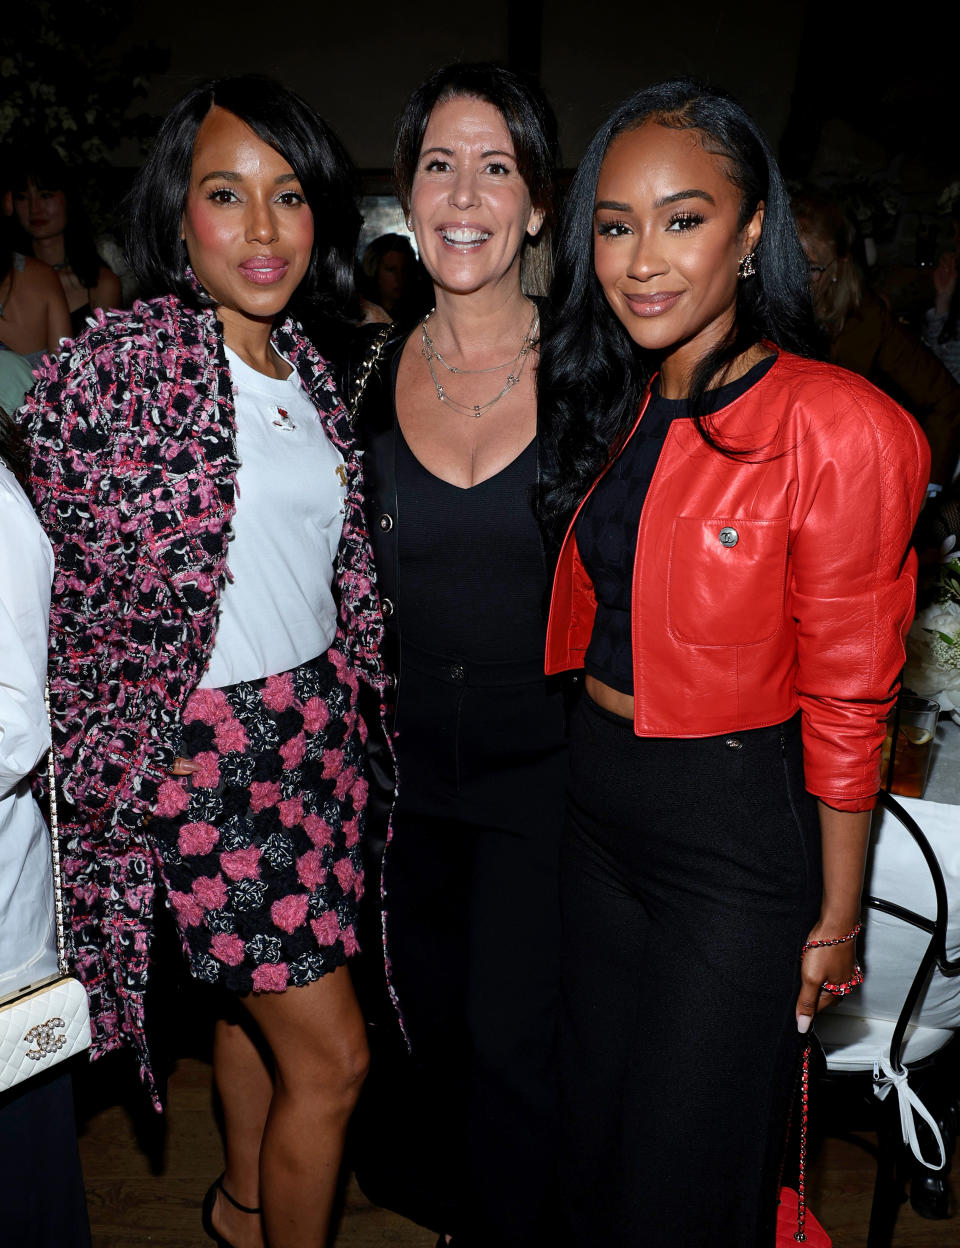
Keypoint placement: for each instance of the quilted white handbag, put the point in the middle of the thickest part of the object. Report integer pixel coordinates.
(46, 1022)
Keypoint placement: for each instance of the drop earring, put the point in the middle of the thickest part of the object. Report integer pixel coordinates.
(746, 266)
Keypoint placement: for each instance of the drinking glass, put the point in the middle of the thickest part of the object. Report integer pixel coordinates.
(907, 760)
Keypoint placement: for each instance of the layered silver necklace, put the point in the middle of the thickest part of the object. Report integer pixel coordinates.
(516, 365)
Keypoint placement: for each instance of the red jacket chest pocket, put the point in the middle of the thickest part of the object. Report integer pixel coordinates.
(726, 580)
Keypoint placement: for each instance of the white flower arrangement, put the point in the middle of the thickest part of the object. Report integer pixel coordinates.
(933, 643)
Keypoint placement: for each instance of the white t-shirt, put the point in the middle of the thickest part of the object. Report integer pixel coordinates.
(27, 930)
(277, 609)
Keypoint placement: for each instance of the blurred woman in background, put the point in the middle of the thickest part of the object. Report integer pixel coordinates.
(55, 228)
(866, 337)
(393, 279)
(33, 310)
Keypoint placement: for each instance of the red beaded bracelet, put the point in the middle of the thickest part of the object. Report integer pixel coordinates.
(837, 940)
(856, 979)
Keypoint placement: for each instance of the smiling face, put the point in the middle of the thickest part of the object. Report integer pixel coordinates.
(41, 213)
(470, 207)
(246, 223)
(667, 243)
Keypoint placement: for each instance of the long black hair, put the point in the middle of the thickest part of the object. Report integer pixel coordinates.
(592, 375)
(44, 169)
(154, 207)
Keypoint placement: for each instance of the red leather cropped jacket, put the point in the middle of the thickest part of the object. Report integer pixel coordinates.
(778, 582)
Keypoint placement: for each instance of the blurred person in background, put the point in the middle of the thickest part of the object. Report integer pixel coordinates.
(866, 337)
(941, 328)
(33, 310)
(393, 279)
(54, 227)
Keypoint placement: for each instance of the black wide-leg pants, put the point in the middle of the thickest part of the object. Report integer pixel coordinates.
(466, 1123)
(690, 878)
(42, 1201)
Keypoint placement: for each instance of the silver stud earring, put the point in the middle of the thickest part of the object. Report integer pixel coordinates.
(746, 266)
(410, 224)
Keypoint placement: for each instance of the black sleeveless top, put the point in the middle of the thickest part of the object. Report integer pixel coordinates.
(471, 562)
(606, 528)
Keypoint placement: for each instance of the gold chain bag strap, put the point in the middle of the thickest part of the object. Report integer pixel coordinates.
(48, 1021)
(366, 369)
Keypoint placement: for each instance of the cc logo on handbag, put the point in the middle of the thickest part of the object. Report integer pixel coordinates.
(45, 1037)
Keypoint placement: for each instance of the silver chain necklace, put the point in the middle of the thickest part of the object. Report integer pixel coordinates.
(516, 365)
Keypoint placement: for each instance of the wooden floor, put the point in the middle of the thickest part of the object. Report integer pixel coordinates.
(146, 1175)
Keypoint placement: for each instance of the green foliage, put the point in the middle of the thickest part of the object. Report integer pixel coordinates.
(65, 84)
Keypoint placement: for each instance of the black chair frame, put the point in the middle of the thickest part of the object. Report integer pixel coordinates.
(887, 1190)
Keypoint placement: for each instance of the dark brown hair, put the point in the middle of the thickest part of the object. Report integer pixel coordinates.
(532, 128)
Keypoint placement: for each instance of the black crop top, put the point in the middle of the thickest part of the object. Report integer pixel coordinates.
(606, 528)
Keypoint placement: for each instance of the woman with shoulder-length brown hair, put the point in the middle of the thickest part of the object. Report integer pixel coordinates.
(469, 874)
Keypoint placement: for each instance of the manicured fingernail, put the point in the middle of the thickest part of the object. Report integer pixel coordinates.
(803, 1023)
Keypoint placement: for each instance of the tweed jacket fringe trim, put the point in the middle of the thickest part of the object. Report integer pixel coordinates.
(134, 463)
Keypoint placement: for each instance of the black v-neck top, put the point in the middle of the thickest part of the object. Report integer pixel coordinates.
(471, 562)
(606, 528)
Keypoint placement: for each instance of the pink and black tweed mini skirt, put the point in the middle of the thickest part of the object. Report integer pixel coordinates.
(260, 846)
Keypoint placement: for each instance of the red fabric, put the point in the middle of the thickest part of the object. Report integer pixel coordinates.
(809, 606)
(817, 1237)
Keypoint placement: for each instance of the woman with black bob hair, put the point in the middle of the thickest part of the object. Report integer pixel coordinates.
(460, 1133)
(734, 575)
(154, 241)
(213, 616)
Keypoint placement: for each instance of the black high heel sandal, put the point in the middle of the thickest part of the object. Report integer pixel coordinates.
(206, 1211)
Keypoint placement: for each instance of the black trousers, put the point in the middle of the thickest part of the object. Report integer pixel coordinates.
(42, 1201)
(461, 1133)
(690, 878)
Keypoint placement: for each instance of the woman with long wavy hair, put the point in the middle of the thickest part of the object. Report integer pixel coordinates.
(734, 577)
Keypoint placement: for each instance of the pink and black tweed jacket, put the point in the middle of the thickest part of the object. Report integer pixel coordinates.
(133, 473)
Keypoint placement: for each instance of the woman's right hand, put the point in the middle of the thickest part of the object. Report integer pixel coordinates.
(183, 767)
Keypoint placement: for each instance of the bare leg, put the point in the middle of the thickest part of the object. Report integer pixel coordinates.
(245, 1086)
(318, 1043)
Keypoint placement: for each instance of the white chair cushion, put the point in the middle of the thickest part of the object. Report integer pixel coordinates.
(891, 949)
(855, 1043)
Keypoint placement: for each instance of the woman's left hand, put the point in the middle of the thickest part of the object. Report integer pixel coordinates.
(832, 964)
(843, 837)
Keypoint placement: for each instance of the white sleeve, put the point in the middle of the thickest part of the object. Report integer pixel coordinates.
(26, 571)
